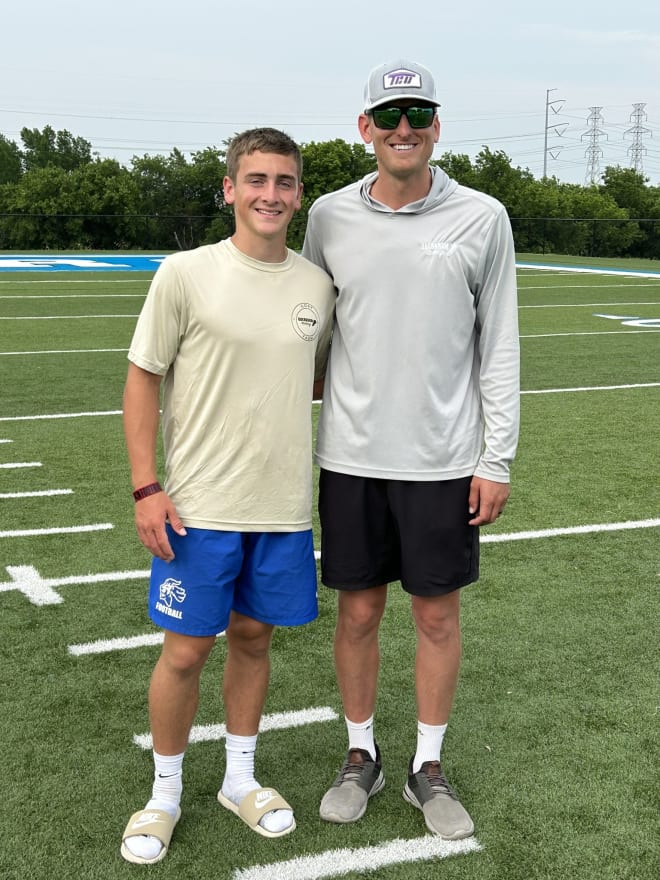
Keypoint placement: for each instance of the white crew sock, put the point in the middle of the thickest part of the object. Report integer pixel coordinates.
(239, 774)
(165, 795)
(168, 782)
(429, 743)
(239, 779)
(361, 736)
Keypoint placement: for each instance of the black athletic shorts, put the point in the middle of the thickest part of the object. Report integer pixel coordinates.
(377, 531)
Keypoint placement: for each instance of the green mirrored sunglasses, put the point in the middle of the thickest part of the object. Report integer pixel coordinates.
(390, 117)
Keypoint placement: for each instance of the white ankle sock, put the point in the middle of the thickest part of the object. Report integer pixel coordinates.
(239, 779)
(361, 736)
(429, 743)
(165, 795)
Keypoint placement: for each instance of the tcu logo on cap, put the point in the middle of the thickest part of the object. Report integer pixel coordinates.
(397, 79)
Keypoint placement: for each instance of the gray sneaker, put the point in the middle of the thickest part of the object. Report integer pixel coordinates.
(429, 791)
(357, 781)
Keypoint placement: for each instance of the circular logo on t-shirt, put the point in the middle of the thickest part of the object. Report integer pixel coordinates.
(306, 321)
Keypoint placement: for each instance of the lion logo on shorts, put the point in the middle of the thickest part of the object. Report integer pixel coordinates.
(171, 589)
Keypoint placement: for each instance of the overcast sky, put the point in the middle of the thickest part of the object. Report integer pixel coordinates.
(148, 75)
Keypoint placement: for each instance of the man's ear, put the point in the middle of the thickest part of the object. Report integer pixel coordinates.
(228, 190)
(364, 127)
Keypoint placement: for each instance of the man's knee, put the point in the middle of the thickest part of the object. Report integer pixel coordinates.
(248, 635)
(361, 611)
(437, 618)
(185, 654)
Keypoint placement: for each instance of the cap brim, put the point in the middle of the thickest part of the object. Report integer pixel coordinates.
(390, 98)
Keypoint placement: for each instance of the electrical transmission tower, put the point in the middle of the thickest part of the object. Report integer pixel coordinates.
(593, 152)
(558, 128)
(637, 149)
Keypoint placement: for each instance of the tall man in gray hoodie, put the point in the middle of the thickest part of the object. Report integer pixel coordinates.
(419, 422)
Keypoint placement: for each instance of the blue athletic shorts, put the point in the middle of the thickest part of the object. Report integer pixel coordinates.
(268, 576)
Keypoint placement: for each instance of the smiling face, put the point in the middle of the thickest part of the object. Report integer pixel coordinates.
(402, 153)
(265, 193)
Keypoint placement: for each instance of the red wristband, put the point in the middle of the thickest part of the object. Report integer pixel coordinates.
(145, 491)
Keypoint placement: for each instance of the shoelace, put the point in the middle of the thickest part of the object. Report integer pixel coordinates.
(437, 780)
(350, 772)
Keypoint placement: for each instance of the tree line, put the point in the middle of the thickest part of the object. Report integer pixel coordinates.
(55, 193)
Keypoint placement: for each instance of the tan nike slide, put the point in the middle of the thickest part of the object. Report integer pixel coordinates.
(155, 823)
(255, 805)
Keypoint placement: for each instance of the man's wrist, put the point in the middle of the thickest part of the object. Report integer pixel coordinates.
(146, 491)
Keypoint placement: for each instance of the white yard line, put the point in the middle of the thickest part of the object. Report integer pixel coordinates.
(571, 530)
(554, 288)
(58, 530)
(44, 493)
(590, 333)
(103, 646)
(278, 721)
(11, 465)
(85, 295)
(60, 317)
(117, 412)
(32, 281)
(64, 351)
(41, 591)
(586, 305)
(586, 270)
(338, 862)
(78, 415)
(593, 388)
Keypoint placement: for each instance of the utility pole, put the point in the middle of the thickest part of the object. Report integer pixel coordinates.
(593, 151)
(559, 128)
(637, 149)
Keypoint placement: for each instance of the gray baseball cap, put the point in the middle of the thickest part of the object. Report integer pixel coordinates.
(399, 79)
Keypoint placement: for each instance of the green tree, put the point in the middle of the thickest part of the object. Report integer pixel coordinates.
(37, 203)
(59, 149)
(601, 227)
(327, 167)
(91, 207)
(11, 166)
(182, 198)
(495, 175)
(459, 167)
(101, 200)
(539, 224)
(204, 176)
(630, 190)
(54, 194)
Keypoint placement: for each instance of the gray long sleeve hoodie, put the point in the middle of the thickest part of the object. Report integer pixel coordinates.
(423, 378)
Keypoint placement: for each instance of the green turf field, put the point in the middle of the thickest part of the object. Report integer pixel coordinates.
(553, 744)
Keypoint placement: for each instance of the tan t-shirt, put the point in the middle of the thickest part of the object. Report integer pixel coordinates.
(239, 343)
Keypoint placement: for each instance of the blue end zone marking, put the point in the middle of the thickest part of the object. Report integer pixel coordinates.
(82, 263)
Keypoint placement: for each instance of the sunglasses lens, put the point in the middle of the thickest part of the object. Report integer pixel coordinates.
(387, 118)
(420, 117)
(390, 117)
